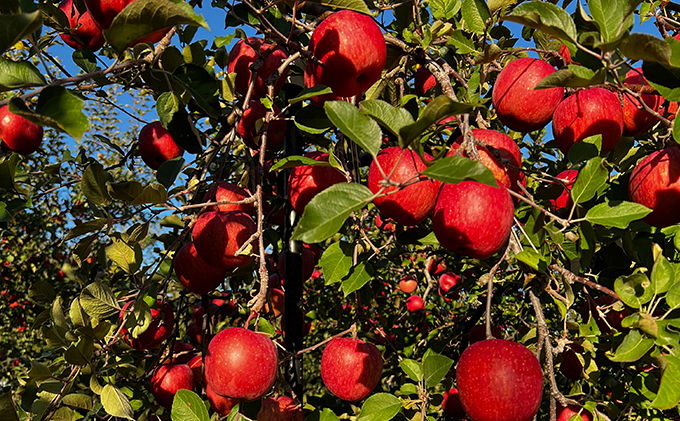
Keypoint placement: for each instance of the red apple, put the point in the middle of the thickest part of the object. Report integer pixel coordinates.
(241, 364)
(586, 113)
(383, 225)
(565, 57)
(311, 81)
(447, 283)
(414, 303)
(654, 183)
(564, 201)
(18, 134)
(565, 413)
(225, 191)
(104, 11)
(194, 273)
(242, 55)
(351, 368)
(219, 235)
(282, 409)
(351, 52)
(196, 365)
(636, 120)
(195, 333)
(307, 181)
(473, 219)
(85, 33)
(452, 406)
(160, 329)
(408, 284)
(219, 404)
(278, 302)
(571, 366)
(167, 379)
(407, 205)
(613, 317)
(478, 333)
(156, 145)
(506, 148)
(436, 267)
(518, 104)
(424, 81)
(249, 128)
(182, 352)
(499, 380)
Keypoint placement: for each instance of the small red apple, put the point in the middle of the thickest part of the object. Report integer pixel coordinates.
(452, 406)
(565, 413)
(408, 284)
(654, 183)
(196, 365)
(85, 32)
(636, 120)
(104, 11)
(156, 145)
(571, 366)
(473, 219)
(408, 205)
(499, 380)
(564, 201)
(194, 273)
(414, 303)
(249, 128)
(182, 352)
(195, 333)
(447, 283)
(586, 113)
(219, 404)
(384, 225)
(18, 134)
(351, 52)
(424, 81)
(307, 181)
(225, 191)
(242, 55)
(160, 329)
(219, 235)
(241, 364)
(351, 368)
(282, 409)
(167, 379)
(518, 105)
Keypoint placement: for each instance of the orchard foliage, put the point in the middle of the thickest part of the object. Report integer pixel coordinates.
(89, 234)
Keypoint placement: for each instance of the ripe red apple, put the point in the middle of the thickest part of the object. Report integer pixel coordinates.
(195, 333)
(636, 120)
(499, 380)
(409, 205)
(478, 333)
(194, 273)
(586, 113)
(351, 368)
(196, 365)
(219, 235)
(473, 219)
(156, 145)
(242, 55)
(182, 352)
(104, 11)
(447, 286)
(507, 149)
(571, 366)
(424, 81)
(414, 303)
(565, 57)
(160, 329)
(311, 81)
(18, 134)
(565, 413)
(452, 406)
(408, 284)
(225, 191)
(518, 104)
(219, 404)
(249, 128)
(307, 181)
(564, 201)
(654, 183)
(384, 225)
(281, 409)
(241, 364)
(85, 32)
(167, 379)
(351, 50)
(613, 317)
(436, 267)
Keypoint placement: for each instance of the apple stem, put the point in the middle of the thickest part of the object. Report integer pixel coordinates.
(489, 292)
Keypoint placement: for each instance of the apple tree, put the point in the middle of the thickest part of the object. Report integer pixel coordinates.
(339, 209)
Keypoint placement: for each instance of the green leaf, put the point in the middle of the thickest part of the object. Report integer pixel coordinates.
(534, 260)
(139, 320)
(639, 46)
(312, 119)
(98, 301)
(380, 407)
(19, 74)
(590, 179)
(80, 353)
(115, 403)
(7, 410)
(609, 16)
(86, 227)
(297, 161)
(573, 76)
(85, 59)
(127, 257)
(617, 214)
(673, 296)
(435, 368)
(168, 171)
(203, 87)
(13, 28)
(356, 5)
(336, 262)
(41, 292)
(668, 395)
(412, 368)
(312, 92)
(455, 169)
(634, 290)
(663, 275)
(392, 118)
(328, 415)
(77, 314)
(167, 104)
(57, 108)
(545, 17)
(78, 401)
(183, 132)
(325, 214)
(188, 406)
(127, 190)
(363, 130)
(475, 14)
(438, 109)
(144, 17)
(93, 184)
(634, 346)
(153, 194)
(664, 78)
(463, 44)
(444, 9)
(586, 149)
(675, 51)
(358, 276)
